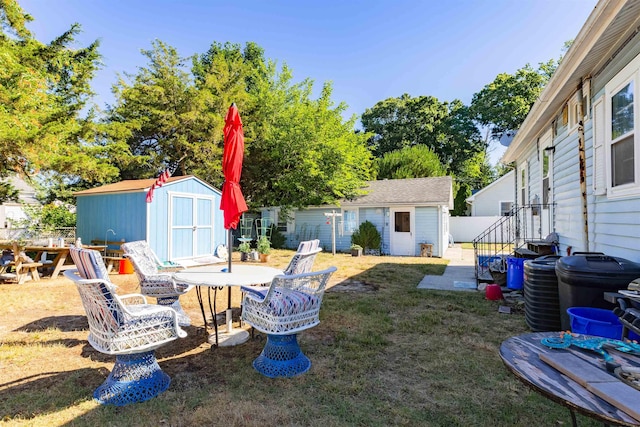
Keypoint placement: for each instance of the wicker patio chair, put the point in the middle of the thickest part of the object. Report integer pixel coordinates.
(292, 304)
(301, 262)
(154, 282)
(124, 326)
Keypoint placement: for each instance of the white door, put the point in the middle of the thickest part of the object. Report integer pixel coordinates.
(191, 226)
(403, 223)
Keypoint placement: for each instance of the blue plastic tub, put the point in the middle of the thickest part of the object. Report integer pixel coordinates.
(515, 272)
(597, 321)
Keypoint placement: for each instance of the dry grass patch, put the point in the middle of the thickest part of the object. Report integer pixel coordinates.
(390, 355)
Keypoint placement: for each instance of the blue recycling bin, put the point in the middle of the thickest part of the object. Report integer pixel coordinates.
(515, 272)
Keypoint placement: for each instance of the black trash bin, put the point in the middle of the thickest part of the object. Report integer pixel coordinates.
(541, 300)
(583, 279)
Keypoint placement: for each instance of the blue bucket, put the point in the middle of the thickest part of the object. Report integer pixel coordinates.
(515, 272)
(595, 321)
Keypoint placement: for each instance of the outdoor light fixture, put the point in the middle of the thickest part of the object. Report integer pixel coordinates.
(550, 149)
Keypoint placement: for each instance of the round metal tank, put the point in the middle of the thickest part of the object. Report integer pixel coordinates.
(541, 300)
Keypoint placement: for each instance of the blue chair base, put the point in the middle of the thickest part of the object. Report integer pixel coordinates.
(282, 358)
(134, 378)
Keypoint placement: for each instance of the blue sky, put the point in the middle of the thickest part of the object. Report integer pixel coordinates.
(370, 50)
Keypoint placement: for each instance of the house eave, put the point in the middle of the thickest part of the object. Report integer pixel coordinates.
(567, 77)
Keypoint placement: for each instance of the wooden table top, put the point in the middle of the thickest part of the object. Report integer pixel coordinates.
(522, 356)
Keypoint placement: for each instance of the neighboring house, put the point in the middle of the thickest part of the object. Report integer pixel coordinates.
(496, 199)
(578, 151)
(13, 211)
(183, 220)
(406, 212)
(485, 207)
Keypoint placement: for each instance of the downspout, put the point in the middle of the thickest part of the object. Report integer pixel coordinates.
(583, 176)
(441, 247)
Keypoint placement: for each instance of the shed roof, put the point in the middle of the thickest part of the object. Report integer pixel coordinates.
(130, 185)
(413, 191)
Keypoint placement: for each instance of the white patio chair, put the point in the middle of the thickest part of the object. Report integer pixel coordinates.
(124, 326)
(153, 281)
(301, 262)
(292, 304)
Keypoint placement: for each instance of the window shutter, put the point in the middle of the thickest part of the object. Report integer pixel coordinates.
(599, 161)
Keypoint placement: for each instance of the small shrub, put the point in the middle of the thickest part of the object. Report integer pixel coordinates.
(244, 247)
(277, 238)
(367, 236)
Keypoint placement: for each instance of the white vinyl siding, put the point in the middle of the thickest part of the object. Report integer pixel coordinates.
(599, 158)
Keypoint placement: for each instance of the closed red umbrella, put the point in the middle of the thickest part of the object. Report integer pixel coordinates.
(232, 204)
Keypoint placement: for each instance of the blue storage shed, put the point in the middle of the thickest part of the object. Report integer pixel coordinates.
(183, 221)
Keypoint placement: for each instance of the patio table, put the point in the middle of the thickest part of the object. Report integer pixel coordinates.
(217, 276)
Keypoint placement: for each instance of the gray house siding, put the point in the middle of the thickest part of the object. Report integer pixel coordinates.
(427, 228)
(566, 188)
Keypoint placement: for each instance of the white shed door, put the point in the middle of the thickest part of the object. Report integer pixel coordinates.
(403, 223)
(191, 226)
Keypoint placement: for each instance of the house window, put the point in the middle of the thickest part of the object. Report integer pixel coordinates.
(545, 176)
(349, 221)
(575, 104)
(523, 185)
(615, 138)
(622, 136)
(505, 208)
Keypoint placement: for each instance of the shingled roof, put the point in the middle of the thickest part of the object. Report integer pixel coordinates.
(432, 191)
(130, 185)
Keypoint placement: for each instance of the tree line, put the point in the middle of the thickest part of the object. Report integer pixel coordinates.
(299, 150)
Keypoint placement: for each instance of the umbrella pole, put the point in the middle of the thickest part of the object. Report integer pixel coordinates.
(230, 251)
(229, 312)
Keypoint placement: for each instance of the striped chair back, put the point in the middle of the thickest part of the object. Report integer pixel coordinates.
(89, 263)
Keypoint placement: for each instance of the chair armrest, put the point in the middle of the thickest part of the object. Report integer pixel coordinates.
(150, 310)
(133, 299)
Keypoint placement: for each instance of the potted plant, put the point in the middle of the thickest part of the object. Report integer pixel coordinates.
(356, 250)
(244, 249)
(264, 248)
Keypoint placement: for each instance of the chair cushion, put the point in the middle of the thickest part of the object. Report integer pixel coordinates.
(89, 263)
(290, 302)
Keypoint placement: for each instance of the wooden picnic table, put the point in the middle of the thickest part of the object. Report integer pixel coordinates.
(61, 262)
